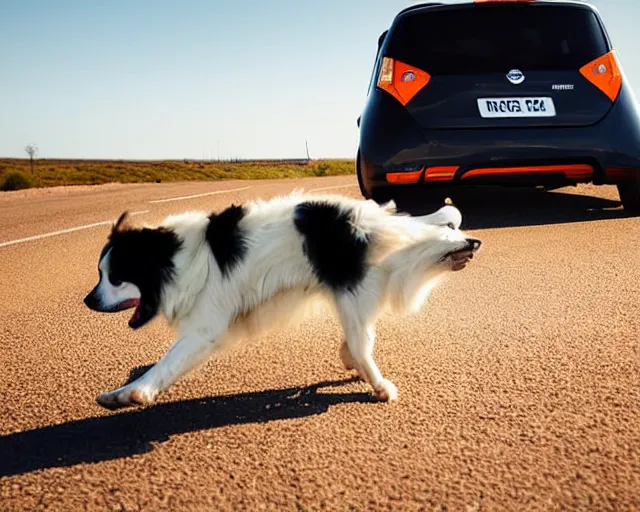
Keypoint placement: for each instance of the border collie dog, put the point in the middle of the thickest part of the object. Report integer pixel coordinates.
(222, 277)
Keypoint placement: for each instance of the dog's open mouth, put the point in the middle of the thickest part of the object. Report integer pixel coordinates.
(136, 314)
(460, 258)
(128, 304)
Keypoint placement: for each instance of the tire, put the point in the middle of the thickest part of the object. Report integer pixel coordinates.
(382, 195)
(363, 190)
(629, 192)
(379, 195)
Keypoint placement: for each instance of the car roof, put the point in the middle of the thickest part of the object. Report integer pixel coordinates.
(428, 5)
(466, 4)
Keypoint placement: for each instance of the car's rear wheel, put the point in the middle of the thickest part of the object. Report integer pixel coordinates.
(363, 190)
(379, 195)
(382, 195)
(629, 192)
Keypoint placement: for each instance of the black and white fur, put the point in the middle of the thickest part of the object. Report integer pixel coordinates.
(233, 275)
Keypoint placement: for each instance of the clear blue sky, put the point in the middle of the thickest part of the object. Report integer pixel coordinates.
(169, 79)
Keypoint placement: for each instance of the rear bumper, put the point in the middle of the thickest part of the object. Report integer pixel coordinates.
(604, 153)
(513, 171)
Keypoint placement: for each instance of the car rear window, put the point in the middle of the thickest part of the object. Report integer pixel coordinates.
(497, 38)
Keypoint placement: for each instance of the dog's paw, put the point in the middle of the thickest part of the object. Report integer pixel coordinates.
(385, 390)
(126, 396)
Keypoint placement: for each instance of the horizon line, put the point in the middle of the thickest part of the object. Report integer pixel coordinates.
(200, 160)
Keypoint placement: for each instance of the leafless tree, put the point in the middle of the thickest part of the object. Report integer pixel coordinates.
(31, 150)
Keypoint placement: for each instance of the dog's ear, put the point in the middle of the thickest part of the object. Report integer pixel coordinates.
(122, 222)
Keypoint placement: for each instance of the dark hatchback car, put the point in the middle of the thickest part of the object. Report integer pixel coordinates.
(511, 92)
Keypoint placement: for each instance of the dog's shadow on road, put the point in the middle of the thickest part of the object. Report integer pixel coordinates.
(496, 207)
(134, 431)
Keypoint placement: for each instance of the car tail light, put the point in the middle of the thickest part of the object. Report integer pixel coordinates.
(401, 80)
(442, 173)
(622, 173)
(575, 172)
(400, 178)
(604, 73)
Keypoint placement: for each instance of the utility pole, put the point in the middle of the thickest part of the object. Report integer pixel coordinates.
(307, 146)
(31, 150)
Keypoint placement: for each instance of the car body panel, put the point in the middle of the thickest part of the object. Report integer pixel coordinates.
(589, 130)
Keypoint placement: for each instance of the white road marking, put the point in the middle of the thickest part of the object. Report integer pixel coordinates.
(198, 195)
(332, 188)
(106, 222)
(64, 231)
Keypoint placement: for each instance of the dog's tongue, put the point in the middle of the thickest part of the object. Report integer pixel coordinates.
(136, 314)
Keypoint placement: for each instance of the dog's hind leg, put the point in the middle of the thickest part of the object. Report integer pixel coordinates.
(346, 357)
(357, 316)
(348, 360)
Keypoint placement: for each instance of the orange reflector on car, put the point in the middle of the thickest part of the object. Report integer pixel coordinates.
(576, 172)
(621, 173)
(401, 80)
(399, 178)
(604, 73)
(442, 173)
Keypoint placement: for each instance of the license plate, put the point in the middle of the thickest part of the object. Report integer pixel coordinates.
(516, 107)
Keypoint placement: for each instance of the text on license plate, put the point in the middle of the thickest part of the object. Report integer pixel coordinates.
(517, 107)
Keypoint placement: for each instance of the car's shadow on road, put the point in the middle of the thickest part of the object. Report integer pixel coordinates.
(135, 431)
(489, 207)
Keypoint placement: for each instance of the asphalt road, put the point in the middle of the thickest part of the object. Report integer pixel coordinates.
(519, 383)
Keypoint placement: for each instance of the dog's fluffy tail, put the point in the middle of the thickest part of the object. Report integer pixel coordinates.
(411, 273)
(413, 268)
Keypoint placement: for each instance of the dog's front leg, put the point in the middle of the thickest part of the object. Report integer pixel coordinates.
(188, 352)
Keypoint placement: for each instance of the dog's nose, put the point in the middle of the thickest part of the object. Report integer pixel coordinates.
(474, 243)
(90, 301)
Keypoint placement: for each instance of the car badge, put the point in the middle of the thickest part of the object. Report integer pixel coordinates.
(515, 76)
(408, 76)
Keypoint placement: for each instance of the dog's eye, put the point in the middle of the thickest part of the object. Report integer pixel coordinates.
(114, 281)
(451, 225)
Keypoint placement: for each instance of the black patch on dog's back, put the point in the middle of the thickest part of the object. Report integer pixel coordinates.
(226, 239)
(337, 255)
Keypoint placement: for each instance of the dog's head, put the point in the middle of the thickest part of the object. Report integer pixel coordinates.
(457, 248)
(133, 267)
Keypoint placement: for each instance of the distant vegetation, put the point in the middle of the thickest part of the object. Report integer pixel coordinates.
(14, 181)
(49, 173)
